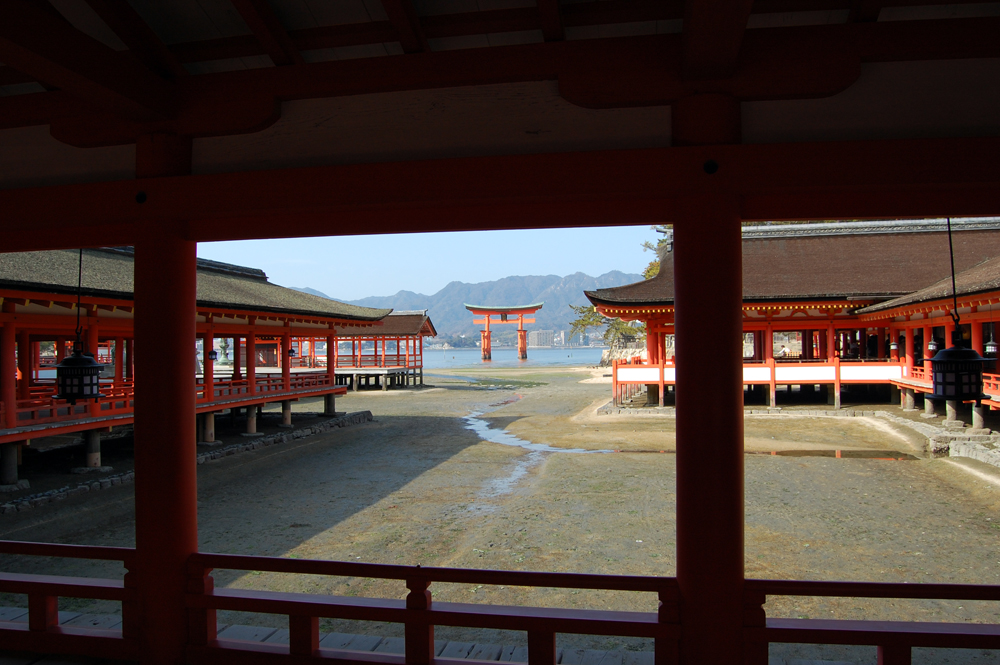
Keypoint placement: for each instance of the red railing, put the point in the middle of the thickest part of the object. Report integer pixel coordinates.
(42, 632)
(388, 360)
(419, 614)
(894, 639)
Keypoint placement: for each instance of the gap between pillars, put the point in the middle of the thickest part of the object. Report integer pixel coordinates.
(708, 296)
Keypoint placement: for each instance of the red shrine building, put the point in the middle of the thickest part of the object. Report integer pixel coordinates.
(831, 287)
(391, 354)
(257, 319)
(162, 125)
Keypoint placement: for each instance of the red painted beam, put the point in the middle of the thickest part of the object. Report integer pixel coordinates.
(51, 50)
(548, 16)
(837, 180)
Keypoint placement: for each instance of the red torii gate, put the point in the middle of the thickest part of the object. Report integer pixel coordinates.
(504, 312)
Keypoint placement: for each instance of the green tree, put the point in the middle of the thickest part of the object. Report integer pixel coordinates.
(653, 269)
(617, 333)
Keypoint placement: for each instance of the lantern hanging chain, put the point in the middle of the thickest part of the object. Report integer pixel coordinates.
(954, 292)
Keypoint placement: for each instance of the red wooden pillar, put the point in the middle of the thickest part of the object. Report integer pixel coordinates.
(928, 336)
(251, 368)
(286, 362)
(208, 365)
(237, 363)
(910, 351)
(166, 524)
(130, 359)
(8, 368)
(331, 357)
(24, 364)
(119, 361)
(977, 336)
(709, 434)
(93, 347)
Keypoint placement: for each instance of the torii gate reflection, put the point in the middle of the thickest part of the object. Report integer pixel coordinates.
(503, 313)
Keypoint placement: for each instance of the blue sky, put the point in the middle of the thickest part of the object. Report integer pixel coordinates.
(349, 268)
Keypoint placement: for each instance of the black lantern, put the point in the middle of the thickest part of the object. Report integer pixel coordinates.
(958, 372)
(991, 346)
(932, 346)
(79, 376)
(894, 346)
(291, 353)
(213, 355)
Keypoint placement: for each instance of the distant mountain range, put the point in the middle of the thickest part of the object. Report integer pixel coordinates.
(447, 306)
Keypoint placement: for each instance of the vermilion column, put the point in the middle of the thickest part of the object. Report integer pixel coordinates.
(24, 364)
(8, 372)
(708, 285)
(286, 362)
(166, 525)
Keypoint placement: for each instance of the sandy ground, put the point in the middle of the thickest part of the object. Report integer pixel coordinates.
(418, 486)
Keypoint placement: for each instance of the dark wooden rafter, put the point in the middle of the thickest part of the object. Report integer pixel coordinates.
(865, 11)
(548, 16)
(404, 19)
(269, 31)
(140, 39)
(778, 63)
(10, 76)
(49, 49)
(713, 34)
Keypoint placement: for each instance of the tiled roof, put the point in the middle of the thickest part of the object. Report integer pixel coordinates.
(397, 324)
(793, 265)
(979, 278)
(108, 273)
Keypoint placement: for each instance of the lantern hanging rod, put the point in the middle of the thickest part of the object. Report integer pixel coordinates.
(954, 291)
(79, 289)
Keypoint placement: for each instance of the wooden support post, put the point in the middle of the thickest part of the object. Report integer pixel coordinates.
(978, 418)
(208, 366)
(129, 359)
(928, 407)
(208, 427)
(24, 364)
(8, 369)
(330, 405)
(43, 612)
(237, 362)
(418, 636)
(93, 448)
(286, 362)
(908, 401)
(251, 368)
(286, 412)
(8, 463)
(303, 635)
(119, 361)
(166, 487)
(950, 410)
(910, 351)
(895, 654)
(977, 337)
(709, 432)
(541, 647)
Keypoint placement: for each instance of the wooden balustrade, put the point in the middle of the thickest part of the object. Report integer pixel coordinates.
(894, 639)
(419, 614)
(42, 632)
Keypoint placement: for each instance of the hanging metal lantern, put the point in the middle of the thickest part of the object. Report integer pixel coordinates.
(213, 355)
(958, 372)
(991, 347)
(78, 377)
(291, 353)
(932, 346)
(894, 346)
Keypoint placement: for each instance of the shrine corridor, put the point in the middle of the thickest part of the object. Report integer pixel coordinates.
(418, 487)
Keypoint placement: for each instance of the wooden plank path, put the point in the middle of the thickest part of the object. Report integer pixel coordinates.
(371, 643)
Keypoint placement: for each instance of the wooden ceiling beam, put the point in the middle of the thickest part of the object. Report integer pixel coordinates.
(10, 76)
(404, 19)
(712, 36)
(796, 181)
(140, 39)
(271, 34)
(49, 49)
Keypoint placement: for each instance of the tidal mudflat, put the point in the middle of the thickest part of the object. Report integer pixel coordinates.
(513, 470)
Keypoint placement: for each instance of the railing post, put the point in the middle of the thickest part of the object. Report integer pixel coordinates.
(303, 635)
(130, 608)
(541, 647)
(419, 635)
(666, 648)
(43, 612)
(894, 654)
(754, 621)
(202, 626)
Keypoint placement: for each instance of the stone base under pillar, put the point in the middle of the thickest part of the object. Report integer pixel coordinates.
(92, 469)
(21, 485)
(928, 415)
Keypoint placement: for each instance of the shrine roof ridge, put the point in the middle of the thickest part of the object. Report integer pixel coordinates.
(502, 308)
(874, 227)
(202, 264)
